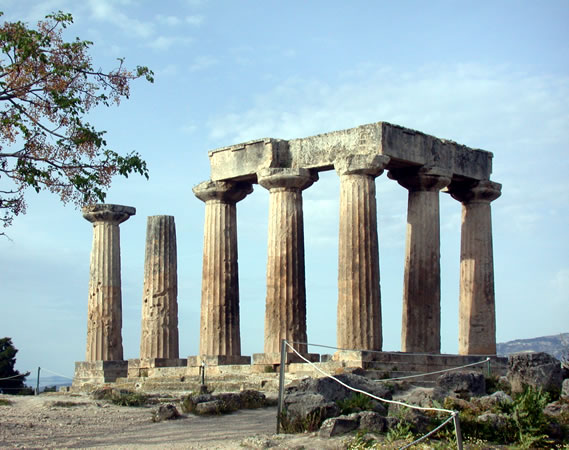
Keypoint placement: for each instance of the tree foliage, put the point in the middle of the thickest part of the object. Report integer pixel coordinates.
(15, 381)
(47, 86)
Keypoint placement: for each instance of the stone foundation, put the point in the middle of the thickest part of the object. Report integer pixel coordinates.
(99, 372)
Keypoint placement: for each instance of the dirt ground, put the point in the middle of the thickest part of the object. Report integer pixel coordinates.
(37, 422)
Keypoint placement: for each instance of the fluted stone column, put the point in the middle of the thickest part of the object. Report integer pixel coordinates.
(285, 313)
(159, 336)
(477, 311)
(422, 280)
(359, 298)
(220, 333)
(104, 321)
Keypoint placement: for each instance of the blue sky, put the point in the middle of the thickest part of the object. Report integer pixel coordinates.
(487, 74)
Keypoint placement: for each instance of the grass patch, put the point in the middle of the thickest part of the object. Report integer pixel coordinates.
(297, 424)
(120, 397)
(355, 403)
(5, 402)
(63, 404)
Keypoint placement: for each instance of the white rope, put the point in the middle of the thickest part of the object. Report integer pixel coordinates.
(55, 373)
(422, 438)
(433, 373)
(395, 402)
(14, 376)
(407, 376)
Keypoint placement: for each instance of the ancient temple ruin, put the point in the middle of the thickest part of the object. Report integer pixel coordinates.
(422, 164)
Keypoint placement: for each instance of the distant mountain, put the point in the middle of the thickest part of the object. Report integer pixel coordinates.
(556, 345)
(52, 380)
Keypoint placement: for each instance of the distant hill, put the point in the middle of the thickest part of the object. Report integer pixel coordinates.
(48, 381)
(556, 345)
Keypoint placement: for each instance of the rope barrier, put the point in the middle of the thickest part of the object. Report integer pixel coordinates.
(407, 376)
(423, 408)
(434, 373)
(15, 376)
(453, 414)
(55, 373)
(422, 438)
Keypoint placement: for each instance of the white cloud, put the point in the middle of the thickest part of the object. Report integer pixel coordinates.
(195, 20)
(168, 20)
(203, 62)
(106, 10)
(166, 42)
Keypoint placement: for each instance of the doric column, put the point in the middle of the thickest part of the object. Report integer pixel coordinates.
(104, 316)
(220, 333)
(285, 313)
(159, 337)
(359, 297)
(422, 281)
(477, 312)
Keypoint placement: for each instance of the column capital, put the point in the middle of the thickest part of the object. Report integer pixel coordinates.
(372, 165)
(421, 178)
(103, 212)
(484, 191)
(286, 178)
(223, 191)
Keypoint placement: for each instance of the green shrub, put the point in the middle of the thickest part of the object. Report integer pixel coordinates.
(129, 399)
(5, 402)
(297, 424)
(401, 431)
(355, 403)
(120, 397)
(188, 404)
(361, 442)
(529, 419)
(62, 404)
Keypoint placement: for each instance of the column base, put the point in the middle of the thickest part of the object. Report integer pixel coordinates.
(139, 367)
(355, 356)
(218, 360)
(99, 372)
(290, 357)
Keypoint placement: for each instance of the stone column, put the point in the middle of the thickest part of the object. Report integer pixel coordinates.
(477, 312)
(159, 336)
(359, 297)
(422, 281)
(220, 334)
(285, 313)
(104, 321)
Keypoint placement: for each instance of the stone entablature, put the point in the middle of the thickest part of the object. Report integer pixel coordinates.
(403, 146)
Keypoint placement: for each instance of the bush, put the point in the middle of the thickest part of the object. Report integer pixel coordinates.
(120, 397)
(4, 402)
(355, 403)
(298, 424)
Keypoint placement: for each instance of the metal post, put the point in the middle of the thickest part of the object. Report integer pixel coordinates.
(38, 382)
(489, 369)
(457, 431)
(281, 385)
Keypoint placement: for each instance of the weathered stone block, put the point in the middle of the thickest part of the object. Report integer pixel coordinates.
(539, 370)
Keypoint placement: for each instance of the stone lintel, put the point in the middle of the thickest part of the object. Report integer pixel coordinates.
(291, 357)
(218, 360)
(103, 212)
(484, 191)
(223, 191)
(404, 147)
(372, 165)
(286, 178)
(99, 372)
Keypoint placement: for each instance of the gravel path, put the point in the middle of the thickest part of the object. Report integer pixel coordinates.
(37, 422)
